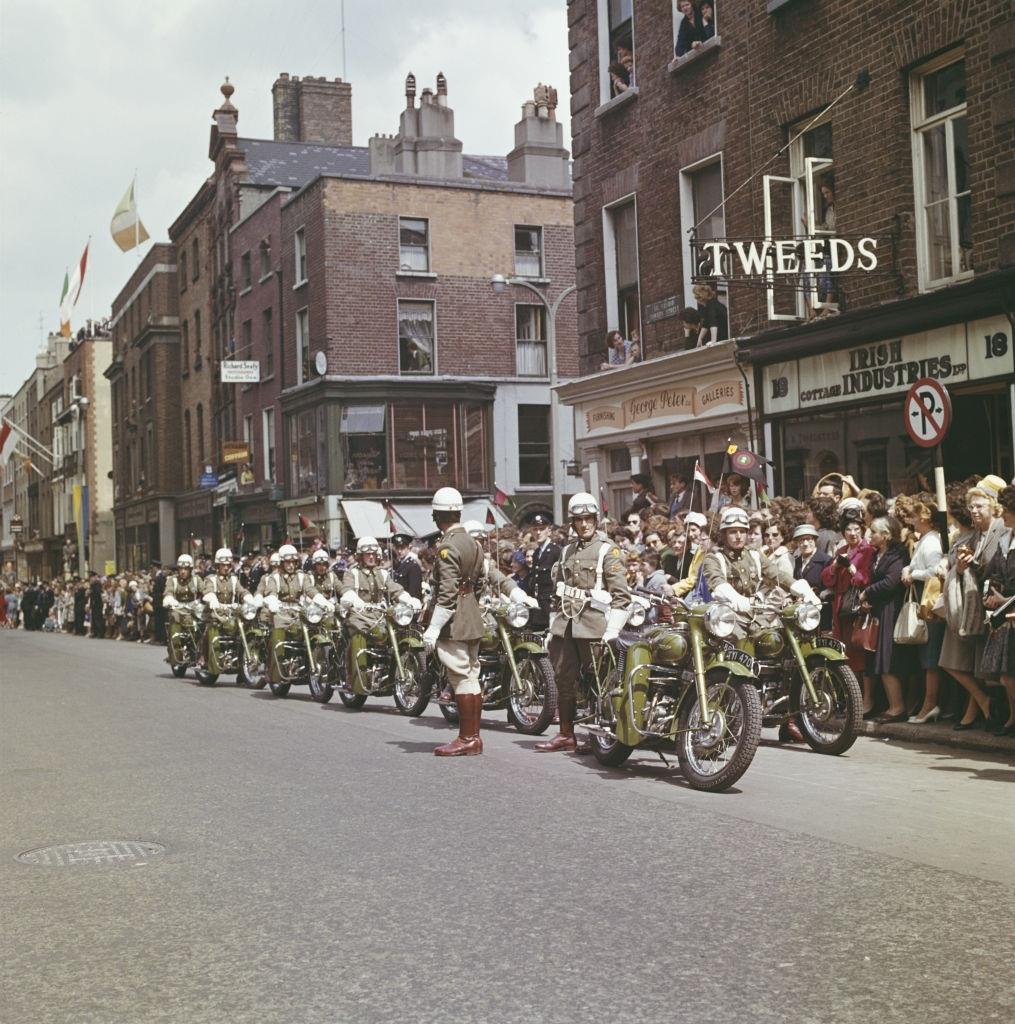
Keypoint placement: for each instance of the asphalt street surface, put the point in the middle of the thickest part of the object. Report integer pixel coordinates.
(321, 865)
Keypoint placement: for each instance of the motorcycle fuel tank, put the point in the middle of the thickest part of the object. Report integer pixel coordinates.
(768, 643)
(669, 644)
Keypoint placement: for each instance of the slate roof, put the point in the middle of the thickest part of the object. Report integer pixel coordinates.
(297, 163)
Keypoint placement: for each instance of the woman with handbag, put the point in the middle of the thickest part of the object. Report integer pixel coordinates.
(847, 574)
(884, 595)
(999, 652)
(917, 513)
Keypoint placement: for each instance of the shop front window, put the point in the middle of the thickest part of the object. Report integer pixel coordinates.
(364, 447)
(303, 461)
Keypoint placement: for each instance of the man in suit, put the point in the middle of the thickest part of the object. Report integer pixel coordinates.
(680, 496)
(808, 565)
(405, 566)
(539, 582)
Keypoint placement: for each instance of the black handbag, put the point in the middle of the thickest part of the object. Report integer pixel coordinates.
(849, 606)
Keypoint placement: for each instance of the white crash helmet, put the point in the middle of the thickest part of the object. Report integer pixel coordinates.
(287, 551)
(365, 544)
(223, 556)
(185, 562)
(734, 518)
(582, 504)
(474, 528)
(274, 559)
(447, 499)
(319, 556)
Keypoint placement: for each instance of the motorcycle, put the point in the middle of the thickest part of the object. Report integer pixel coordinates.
(805, 676)
(234, 645)
(679, 684)
(183, 643)
(514, 670)
(390, 660)
(304, 656)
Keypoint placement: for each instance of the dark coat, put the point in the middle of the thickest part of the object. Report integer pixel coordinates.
(408, 574)
(813, 576)
(885, 594)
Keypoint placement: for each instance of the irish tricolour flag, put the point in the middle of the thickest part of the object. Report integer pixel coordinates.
(71, 291)
(8, 439)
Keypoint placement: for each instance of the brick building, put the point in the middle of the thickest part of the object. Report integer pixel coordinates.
(145, 379)
(816, 125)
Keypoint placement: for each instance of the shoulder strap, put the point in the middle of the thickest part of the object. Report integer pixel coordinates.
(355, 578)
(722, 563)
(756, 555)
(601, 561)
(233, 581)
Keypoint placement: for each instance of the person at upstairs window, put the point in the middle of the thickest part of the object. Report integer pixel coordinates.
(620, 79)
(706, 20)
(715, 320)
(689, 35)
(690, 321)
(616, 350)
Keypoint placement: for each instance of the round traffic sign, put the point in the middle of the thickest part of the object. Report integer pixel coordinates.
(927, 412)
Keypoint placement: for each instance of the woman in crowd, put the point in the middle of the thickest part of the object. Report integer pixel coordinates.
(848, 570)
(999, 651)
(689, 31)
(756, 531)
(823, 514)
(775, 547)
(883, 595)
(734, 491)
(917, 513)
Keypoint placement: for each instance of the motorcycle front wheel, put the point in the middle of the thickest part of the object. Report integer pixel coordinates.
(252, 674)
(832, 724)
(352, 700)
(279, 689)
(532, 706)
(204, 677)
(713, 757)
(320, 689)
(412, 691)
(178, 670)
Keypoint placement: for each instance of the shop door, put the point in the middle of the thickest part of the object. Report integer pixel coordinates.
(980, 439)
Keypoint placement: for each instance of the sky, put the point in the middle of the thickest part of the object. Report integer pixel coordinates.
(93, 90)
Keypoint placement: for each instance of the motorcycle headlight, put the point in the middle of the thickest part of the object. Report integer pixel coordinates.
(636, 615)
(197, 609)
(402, 613)
(517, 615)
(314, 613)
(808, 617)
(720, 620)
(249, 612)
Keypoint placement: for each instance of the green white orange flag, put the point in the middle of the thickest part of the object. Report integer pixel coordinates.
(71, 291)
(126, 226)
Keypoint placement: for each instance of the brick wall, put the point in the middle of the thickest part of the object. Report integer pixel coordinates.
(769, 72)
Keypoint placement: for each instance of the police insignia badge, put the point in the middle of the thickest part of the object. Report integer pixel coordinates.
(443, 553)
(615, 552)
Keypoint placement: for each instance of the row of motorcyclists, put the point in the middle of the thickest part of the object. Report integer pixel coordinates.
(698, 676)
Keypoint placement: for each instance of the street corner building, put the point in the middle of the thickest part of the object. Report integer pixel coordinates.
(782, 220)
(319, 340)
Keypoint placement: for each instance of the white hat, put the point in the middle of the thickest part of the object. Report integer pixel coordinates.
(447, 499)
(474, 526)
(367, 544)
(224, 555)
(804, 531)
(582, 504)
(733, 517)
(185, 562)
(287, 551)
(695, 519)
(320, 555)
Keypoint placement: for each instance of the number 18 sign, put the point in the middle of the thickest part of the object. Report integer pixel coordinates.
(927, 412)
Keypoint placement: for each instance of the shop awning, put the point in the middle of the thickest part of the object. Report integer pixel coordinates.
(369, 519)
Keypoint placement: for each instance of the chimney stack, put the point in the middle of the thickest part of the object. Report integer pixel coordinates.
(312, 109)
(539, 157)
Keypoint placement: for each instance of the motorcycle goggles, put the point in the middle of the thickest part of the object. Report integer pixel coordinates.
(588, 508)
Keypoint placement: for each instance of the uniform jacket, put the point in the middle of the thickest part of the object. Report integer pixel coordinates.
(329, 585)
(408, 574)
(540, 580)
(228, 589)
(372, 586)
(288, 586)
(458, 570)
(184, 592)
(747, 572)
(577, 567)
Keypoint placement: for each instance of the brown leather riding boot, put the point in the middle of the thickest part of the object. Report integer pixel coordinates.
(565, 740)
(467, 743)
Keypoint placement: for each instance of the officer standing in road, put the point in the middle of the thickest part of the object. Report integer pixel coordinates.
(591, 598)
(405, 566)
(540, 581)
(158, 593)
(456, 623)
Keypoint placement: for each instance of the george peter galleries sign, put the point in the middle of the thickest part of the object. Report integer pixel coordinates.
(665, 405)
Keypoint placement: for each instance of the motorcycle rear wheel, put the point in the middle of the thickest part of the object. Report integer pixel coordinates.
(610, 753)
(412, 693)
(352, 700)
(714, 758)
(279, 689)
(178, 670)
(833, 726)
(531, 710)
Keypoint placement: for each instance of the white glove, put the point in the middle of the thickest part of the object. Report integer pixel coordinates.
(518, 596)
(726, 593)
(350, 599)
(257, 600)
(615, 619)
(169, 601)
(440, 618)
(802, 590)
(273, 603)
(406, 598)
(210, 599)
(322, 602)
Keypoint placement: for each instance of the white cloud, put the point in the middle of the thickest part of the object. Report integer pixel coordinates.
(92, 89)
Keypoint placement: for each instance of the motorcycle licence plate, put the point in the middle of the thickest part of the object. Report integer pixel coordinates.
(740, 657)
(831, 643)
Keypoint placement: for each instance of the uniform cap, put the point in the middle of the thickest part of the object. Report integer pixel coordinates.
(401, 539)
(447, 499)
(733, 518)
(541, 519)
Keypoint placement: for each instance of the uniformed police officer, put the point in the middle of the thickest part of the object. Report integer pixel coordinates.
(286, 584)
(735, 574)
(590, 603)
(363, 584)
(405, 566)
(325, 580)
(222, 587)
(456, 623)
(492, 578)
(540, 579)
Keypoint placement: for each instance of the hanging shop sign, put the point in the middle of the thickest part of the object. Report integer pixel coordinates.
(759, 260)
(953, 355)
(665, 405)
(241, 371)
(235, 451)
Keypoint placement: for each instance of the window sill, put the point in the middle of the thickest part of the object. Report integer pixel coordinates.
(946, 282)
(679, 63)
(264, 380)
(265, 277)
(629, 95)
(246, 289)
(426, 275)
(299, 284)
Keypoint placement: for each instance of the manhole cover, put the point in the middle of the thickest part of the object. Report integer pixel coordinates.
(92, 851)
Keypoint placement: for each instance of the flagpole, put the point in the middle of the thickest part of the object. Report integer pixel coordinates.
(37, 446)
(137, 219)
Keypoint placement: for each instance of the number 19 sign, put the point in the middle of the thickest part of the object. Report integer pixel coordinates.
(927, 412)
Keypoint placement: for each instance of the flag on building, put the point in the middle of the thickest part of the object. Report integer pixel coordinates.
(701, 477)
(603, 503)
(491, 519)
(126, 227)
(499, 497)
(8, 439)
(389, 517)
(306, 523)
(71, 291)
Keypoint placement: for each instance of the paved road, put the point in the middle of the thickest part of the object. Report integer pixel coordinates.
(322, 866)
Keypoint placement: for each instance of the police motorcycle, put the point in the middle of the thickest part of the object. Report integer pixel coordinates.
(328, 641)
(515, 673)
(387, 659)
(677, 685)
(302, 655)
(185, 631)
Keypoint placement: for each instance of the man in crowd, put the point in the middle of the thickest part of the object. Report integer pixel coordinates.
(539, 582)
(405, 566)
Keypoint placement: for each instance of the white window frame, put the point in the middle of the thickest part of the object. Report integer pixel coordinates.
(300, 256)
(302, 336)
(402, 268)
(248, 429)
(610, 261)
(687, 221)
(268, 442)
(919, 124)
(603, 30)
(545, 342)
(541, 252)
(398, 336)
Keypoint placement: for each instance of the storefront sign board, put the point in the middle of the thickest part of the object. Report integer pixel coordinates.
(664, 405)
(241, 371)
(136, 516)
(953, 355)
(235, 451)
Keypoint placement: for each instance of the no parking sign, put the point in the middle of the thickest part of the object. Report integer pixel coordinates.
(927, 412)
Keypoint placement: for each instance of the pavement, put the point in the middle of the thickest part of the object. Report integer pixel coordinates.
(320, 865)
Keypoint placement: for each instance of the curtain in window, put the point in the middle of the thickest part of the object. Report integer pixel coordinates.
(415, 328)
(531, 338)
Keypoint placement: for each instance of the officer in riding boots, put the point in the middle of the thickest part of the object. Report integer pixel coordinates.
(405, 566)
(492, 578)
(182, 588)
(286, 584)
(735, 573)
(456, 622)
(364, 584)
(591, 598)
(540, 580)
